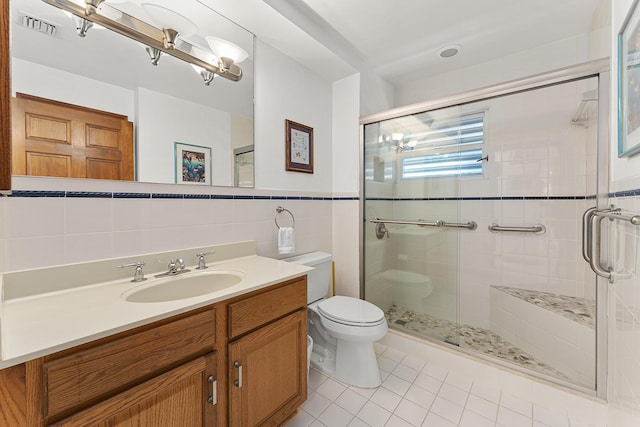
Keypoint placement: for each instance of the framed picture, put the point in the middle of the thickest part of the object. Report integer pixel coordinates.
(629, 84)
(299, 147)
(193, 164)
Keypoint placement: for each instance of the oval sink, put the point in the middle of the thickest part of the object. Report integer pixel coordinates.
(184, 286)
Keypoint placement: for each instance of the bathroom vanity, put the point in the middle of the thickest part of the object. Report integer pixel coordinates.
(234, 357)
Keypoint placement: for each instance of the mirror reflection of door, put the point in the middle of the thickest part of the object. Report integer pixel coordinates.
(63, 140)
(243, 166)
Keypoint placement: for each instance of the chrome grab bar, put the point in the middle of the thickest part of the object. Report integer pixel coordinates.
(471, 225)
(537, 229)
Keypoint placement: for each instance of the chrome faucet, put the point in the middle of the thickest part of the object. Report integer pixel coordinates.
(202, 264)
(175, 267)
(138, 276)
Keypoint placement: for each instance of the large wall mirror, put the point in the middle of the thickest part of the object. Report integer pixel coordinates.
(178, 124)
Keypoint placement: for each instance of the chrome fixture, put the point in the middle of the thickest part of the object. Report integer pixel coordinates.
(207, 75)
(537, 229)
(165, 33)
(581, 116)
(201, 262)
(176, 266)
(82, 25)
(471, 225)
(397, 142)
(138, 276)
(381, 230)
(154, 54)
(279, 210)
(592, 236)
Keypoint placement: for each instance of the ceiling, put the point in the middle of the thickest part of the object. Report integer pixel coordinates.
(400, 40)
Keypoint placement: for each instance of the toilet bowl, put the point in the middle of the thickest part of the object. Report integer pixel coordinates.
(343, 328)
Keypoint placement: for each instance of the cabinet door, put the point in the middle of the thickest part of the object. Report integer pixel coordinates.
(180, 397)
(268, 372)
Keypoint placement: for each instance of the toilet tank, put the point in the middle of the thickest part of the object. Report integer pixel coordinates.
(318, 280)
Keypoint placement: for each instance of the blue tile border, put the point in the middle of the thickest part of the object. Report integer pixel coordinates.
(625, 193)
(474, 198)
(126, 195)
(23, 193)
(89, 194)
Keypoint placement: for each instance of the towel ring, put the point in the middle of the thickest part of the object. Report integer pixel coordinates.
(279, 210)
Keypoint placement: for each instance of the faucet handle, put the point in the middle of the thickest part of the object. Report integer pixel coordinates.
(138, 276)
(201, 262)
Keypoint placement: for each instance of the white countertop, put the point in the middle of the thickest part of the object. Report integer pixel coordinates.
(43, 324)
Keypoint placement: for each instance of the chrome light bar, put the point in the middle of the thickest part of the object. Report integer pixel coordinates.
(100, 12)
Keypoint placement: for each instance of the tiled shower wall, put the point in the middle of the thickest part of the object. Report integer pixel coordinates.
(120, 219)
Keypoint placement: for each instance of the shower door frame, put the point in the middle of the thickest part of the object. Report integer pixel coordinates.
(598, 68)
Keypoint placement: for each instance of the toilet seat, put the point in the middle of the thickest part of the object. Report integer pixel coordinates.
(351, 311)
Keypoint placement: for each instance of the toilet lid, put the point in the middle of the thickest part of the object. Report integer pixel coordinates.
(351, 311)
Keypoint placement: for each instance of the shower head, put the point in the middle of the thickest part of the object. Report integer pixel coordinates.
(580, 117)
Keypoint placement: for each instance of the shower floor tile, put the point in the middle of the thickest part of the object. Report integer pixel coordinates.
(469, 337)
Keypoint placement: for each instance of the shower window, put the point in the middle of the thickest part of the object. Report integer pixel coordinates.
(452, 148)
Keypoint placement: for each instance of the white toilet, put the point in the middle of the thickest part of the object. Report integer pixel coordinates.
(343, 329)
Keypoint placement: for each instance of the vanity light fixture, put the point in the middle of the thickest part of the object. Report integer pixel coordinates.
(82, 25)
(154, 54)
(165, 34)
(227, 52)
(207, 75)
(173, 24)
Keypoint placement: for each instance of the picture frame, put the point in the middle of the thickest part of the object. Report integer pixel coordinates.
(192, 164)
(629, 84)
(299, 147)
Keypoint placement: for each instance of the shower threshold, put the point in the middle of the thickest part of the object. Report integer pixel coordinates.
(468, 337)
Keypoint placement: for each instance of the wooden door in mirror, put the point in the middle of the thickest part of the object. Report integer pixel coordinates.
(52, 138)
(5, 99)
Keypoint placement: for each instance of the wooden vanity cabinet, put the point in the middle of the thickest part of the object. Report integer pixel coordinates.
(267, 362)
(179, 371)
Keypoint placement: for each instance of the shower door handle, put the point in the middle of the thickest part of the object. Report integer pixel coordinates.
(595, 224)
(587, 233)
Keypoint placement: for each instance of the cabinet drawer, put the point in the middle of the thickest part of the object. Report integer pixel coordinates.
(94, 372)
(255, 311)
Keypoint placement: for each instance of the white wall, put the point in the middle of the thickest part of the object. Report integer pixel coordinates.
(35, 79)
(287, 90)
(346, 182)
(163, 120)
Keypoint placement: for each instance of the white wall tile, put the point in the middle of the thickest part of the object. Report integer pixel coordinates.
(35, 216)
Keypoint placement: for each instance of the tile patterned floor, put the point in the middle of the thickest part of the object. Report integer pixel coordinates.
(415, 393)
(467, 336)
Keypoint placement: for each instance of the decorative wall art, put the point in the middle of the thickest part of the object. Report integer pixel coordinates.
(299, 147)
(193, 164)
(629, 84)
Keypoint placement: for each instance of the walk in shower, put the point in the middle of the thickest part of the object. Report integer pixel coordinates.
(472, 213)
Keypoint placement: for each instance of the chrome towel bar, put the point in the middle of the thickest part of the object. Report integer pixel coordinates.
(537, 229)
(471, 225)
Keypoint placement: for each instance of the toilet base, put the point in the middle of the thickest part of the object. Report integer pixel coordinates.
(356, 364)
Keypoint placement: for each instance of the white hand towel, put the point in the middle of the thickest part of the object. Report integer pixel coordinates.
(286, 240)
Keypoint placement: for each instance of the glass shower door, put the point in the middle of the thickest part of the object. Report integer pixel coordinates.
(412, 214)
(523, 166)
